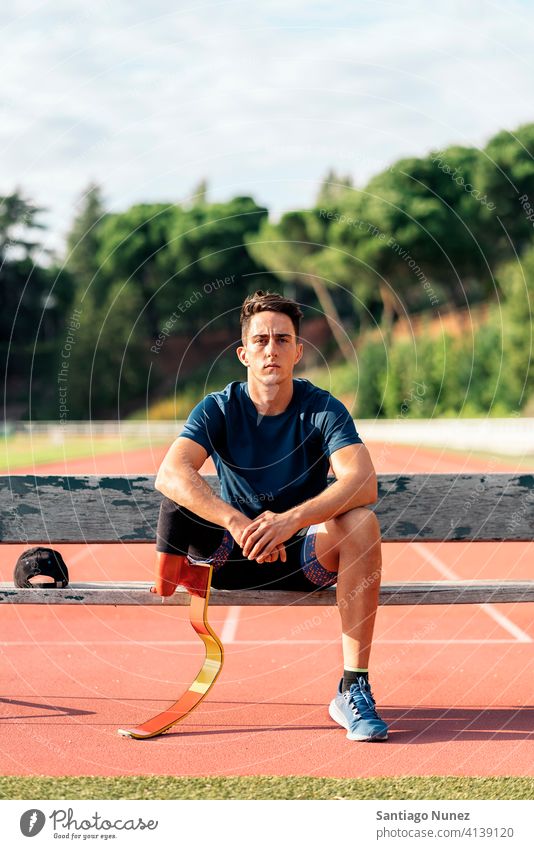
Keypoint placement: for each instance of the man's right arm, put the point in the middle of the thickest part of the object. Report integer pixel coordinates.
(178, 478)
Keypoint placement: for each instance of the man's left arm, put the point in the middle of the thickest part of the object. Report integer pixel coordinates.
(355, 486)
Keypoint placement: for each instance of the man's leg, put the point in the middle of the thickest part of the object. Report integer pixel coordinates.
(182, 538)
(350, 544)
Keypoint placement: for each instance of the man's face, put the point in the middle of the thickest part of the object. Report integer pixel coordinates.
(270, 350)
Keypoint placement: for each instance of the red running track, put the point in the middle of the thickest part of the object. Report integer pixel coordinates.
(455, 683)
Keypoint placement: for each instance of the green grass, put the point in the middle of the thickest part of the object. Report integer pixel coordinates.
(21, 450)
(264, 787)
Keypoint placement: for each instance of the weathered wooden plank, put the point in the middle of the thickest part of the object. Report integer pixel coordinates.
(138, 593)
(85, 508)
(114, 508)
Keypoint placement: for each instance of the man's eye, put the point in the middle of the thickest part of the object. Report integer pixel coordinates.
(264, 341)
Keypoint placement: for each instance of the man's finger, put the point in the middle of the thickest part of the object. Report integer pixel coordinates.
(269, 558)
(255, 537)
(255, 524)
(278, 552)
(261, 547)
(249, 529)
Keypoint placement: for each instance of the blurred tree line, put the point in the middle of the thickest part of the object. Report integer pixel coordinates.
(425, 236)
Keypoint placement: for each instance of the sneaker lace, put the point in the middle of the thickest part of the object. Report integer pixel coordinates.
(361, 700)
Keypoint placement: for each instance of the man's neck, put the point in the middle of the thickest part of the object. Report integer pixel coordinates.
(270, 400)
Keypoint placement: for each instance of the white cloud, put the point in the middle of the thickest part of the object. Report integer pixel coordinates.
(260, 98)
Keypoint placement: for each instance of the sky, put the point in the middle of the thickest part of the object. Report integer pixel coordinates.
(260, 98)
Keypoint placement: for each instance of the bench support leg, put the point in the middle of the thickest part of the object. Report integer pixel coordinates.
(198, 615)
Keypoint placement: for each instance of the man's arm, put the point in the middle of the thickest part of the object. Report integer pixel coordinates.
(179, 480)
(355, 486)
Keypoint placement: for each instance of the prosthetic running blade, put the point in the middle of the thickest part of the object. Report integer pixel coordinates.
(198, 616)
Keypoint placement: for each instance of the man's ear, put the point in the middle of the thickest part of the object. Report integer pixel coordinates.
(242, 355)
(300, 351)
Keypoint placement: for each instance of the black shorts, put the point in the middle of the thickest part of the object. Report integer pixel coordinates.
(182, 532)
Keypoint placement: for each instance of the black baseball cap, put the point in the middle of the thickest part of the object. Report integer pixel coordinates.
(41, 561)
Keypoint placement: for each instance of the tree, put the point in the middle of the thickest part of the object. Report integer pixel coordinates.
(199, 194)
(18, 218)
(83, 241)
(334, 189)
(506, 175)
(207, 263)
(516, 279)
(432, 219)
(24, 285)
(131, 249)
(289, 249)
(412, 235)
(108, 369)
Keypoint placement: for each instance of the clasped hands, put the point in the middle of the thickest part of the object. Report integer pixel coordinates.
(263, 538)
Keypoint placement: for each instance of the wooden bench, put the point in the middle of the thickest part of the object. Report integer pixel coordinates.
(50, 510)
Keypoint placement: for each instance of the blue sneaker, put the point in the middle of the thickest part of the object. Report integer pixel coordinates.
(355, 710)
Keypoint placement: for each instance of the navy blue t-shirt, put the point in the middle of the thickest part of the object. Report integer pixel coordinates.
(270, 462)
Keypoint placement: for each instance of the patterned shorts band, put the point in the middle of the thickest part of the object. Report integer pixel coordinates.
(220, 556)
(314, 571)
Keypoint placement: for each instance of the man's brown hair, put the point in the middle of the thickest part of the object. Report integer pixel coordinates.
(260, 301)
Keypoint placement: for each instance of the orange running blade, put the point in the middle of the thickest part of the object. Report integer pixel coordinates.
(213, 661)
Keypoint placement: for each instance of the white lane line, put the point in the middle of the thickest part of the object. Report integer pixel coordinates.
(502, 620)
(285, 643)
(230, 625)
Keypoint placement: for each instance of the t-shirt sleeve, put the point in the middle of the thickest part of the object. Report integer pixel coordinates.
(205, 424)
(337, 427)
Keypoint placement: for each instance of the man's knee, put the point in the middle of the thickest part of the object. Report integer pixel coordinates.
(360, 521)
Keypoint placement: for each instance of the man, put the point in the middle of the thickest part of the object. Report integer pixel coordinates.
(277, 523)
